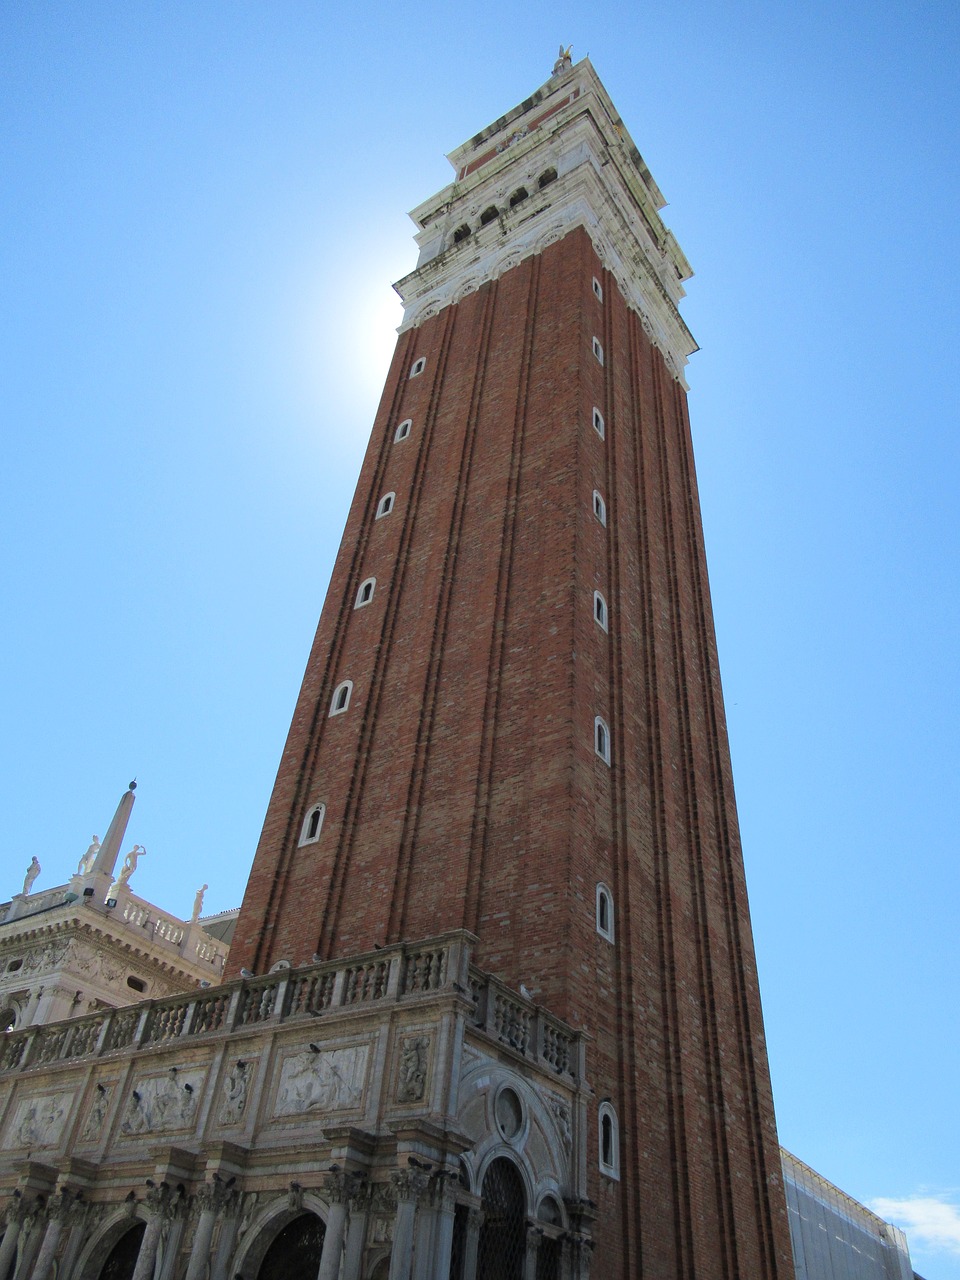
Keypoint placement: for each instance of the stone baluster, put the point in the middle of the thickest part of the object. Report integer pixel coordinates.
(158, 1203)
(338, 1186)
(56, 1212)
(409, 1185)
(16, 1215)
(210, 1200)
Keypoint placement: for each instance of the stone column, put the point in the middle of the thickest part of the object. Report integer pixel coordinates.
(56, 1211)
(434, 1243)
(81, 1217)
(534, 1236)
(157, 1202)
(338, 1186)
(409, 1185)
(474, 1223)
(16, 1213)
(210, 1200)
(356, 1231)
(229, 1234)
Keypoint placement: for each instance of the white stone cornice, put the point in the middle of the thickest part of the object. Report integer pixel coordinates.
(602, 185)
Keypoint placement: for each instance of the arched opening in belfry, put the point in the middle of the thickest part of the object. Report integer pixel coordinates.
(122, 1258)
(503, 1236)
(294, 1253)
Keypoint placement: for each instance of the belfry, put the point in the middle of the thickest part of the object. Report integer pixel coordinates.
(491, 1011)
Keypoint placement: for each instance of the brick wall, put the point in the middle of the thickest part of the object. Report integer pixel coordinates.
(462, 785)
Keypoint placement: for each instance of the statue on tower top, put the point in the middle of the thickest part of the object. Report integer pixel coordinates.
(564, 60)
(89, 858)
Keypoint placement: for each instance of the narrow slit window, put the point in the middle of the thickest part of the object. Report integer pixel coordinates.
(598, 423)
(341, 698)
(365, 592)
(313, 825)
(418, 366)
(600, 610)
(599, 507)
(403, 430)
(385, 505)
(609, 1141)
(598, 289)
(598, 349)
(604, 912)
(601, 739)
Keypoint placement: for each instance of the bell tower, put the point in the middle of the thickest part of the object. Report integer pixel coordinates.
(511, 721)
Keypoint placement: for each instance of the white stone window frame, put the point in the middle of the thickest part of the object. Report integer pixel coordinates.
(601, 739)
(605, 898)
(609, 1162)
(365, 595)
(601, 611)
(597, 346)
(305, 836)
(599, 425)
(403, 430)
(599, 507)
(597, 289)
(386, 505)
(341, 698)
(418, 366)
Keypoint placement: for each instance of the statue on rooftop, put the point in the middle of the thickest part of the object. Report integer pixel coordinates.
(564, 60)
(130, 863)
(33, 871)
(198, 903)
(89, 858)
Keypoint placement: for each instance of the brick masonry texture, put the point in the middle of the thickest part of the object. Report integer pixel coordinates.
(462, 788)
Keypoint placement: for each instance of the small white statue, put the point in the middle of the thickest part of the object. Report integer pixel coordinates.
(33, 871)
(564, 60)
(130, 863)
(198, 903)
(89, 858)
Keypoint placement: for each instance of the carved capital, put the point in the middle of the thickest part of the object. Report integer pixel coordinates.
(409, 1185)
(475, 1217)
(213, 1195)
(163, 1201)
(58, 1206)
(338, 1186)
(17, 1210)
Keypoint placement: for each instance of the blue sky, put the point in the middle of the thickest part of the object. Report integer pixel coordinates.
(202, 211)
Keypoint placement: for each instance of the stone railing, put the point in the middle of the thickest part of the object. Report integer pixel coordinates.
(390, 975)
(523, 1026)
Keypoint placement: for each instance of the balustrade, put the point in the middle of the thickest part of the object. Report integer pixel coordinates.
(497, 1011)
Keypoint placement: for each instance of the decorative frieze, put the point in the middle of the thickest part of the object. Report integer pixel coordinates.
(322, 1079)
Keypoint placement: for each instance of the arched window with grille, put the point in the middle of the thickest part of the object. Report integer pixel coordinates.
(502, 1248)
(609, 1137)
(601, 739)
(312, 824)
(341, 698)
(604, 912)
(365, 592)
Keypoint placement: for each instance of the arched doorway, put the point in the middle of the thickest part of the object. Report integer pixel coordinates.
(122, 1258)
(295, 1251)
(503, 1236)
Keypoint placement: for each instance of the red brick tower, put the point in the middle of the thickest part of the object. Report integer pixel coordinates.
(511, 720)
